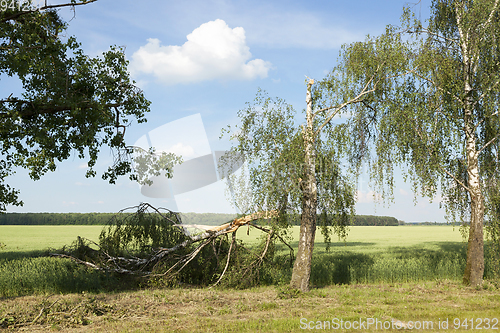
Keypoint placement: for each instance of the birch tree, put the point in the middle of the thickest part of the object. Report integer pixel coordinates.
(435, 109)
(297, 169)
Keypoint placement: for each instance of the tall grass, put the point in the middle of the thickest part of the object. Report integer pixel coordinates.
(396, 265)
(348, 268)
(45, 275)
(373, 255)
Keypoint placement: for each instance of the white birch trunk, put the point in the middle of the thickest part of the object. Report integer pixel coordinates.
(302, 268)
(474, 268)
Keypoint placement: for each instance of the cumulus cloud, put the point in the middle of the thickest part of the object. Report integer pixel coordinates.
(182, 150)
(403, 192)
(212, 51)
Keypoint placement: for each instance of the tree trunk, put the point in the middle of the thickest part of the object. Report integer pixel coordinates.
(474, 268)
(302, 268)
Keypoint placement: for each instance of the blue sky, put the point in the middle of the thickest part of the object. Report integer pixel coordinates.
(175, 50)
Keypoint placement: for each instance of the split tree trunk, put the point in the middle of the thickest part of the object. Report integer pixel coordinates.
(474, 268)
(302, 268)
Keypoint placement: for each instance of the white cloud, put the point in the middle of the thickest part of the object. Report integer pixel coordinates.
(212, 51)
(181, 149)
(367, 197)
(403, 192)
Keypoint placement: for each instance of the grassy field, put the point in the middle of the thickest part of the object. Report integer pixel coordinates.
(28, 238)
(398, 276)
(370, 255)
(360, 239)
(422, 307)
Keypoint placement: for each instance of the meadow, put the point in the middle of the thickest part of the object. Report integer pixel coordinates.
(19, 238)
(369, 255)
(394, 274)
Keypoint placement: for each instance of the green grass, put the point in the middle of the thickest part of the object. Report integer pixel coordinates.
(39, 238)
(262, 309)
(360, 239)
(42, 275)
(406, 273)
(370, 255)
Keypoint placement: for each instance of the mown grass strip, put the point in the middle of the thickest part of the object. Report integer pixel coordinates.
(262, 309)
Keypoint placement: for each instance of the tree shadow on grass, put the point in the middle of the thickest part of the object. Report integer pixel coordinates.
(427, 247)
(13, 255)
(339, 245)
(335, 268)
(428, 261)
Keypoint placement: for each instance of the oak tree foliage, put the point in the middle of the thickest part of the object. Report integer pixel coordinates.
(70, 103)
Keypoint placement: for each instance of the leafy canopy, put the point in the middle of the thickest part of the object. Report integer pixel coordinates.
(71, 103)
(417, 116)
(273, 146)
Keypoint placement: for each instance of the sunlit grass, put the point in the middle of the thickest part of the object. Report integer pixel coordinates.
(369, 255)
(22, 238)
(360, 239)
(262, 309)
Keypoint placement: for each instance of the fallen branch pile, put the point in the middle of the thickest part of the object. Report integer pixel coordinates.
(154, 243)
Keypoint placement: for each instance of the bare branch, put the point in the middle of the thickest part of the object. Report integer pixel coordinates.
(25, 12)
(429, 32)
(277, 235)
(358, 98)
(487, 144)
(86, 263)
(227, 262)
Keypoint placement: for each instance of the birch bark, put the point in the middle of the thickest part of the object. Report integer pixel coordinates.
(302, 267)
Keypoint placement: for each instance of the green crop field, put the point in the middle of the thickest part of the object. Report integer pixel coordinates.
(402, 275)
(361, 239)
(20, 238)
(369, 255)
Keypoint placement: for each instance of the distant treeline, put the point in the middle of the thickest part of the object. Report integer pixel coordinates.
(361, 220)
(55, 218)
(187, 218)
(371, 220)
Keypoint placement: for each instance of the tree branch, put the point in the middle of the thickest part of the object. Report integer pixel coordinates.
(438, 87)
(438, 164)
(47, 109)
(435, 34)
(343, 105)
(227, 262)
(24, 12)
(487, 144)
(490, 17)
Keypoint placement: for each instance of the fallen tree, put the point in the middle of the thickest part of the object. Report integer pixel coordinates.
(154, 243)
